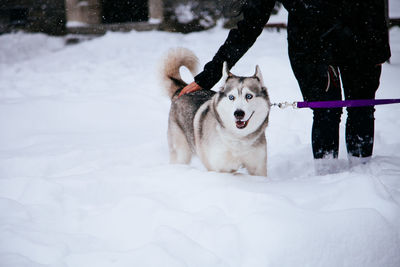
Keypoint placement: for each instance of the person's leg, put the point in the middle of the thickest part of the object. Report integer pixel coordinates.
(325, 133)
(316, 84)
(360, 82)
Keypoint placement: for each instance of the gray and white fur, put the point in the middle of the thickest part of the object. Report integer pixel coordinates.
(226, 129)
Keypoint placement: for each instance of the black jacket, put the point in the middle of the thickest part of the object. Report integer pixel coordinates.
(336, 31)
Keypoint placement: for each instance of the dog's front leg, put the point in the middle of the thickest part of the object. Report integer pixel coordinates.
(256, 162)
(259, 170)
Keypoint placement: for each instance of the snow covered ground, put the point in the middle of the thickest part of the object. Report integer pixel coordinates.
(85, 179)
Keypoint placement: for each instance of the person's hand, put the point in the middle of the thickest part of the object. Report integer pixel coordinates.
(191, 87)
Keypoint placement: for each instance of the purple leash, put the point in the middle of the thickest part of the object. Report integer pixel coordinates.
(338, 103)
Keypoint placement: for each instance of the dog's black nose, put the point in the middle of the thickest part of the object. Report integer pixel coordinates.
(239, 114)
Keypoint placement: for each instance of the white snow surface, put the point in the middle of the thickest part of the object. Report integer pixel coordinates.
(394, 9)
(85, 178)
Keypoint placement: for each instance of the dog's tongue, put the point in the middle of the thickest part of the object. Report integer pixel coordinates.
(240, 124)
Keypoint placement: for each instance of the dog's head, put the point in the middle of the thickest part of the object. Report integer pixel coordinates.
(243, 104)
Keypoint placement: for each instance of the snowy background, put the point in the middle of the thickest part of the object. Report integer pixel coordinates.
(85, 179)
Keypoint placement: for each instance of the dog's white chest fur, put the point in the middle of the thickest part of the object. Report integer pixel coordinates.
(220, 154)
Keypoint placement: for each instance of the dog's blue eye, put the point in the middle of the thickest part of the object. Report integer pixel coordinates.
(231, 97)
(249, 96)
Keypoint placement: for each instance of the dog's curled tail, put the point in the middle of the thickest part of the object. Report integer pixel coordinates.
(170, 76)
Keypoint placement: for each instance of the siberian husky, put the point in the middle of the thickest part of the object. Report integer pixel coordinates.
(226, 129)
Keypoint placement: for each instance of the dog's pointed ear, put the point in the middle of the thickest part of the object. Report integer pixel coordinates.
(225, 72)
(259, 75)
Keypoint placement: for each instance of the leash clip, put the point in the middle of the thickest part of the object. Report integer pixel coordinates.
(284, 105)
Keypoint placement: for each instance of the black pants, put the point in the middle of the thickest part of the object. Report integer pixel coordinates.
(318, 82)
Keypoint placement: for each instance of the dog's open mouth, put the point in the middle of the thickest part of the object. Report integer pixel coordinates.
(242, 124)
